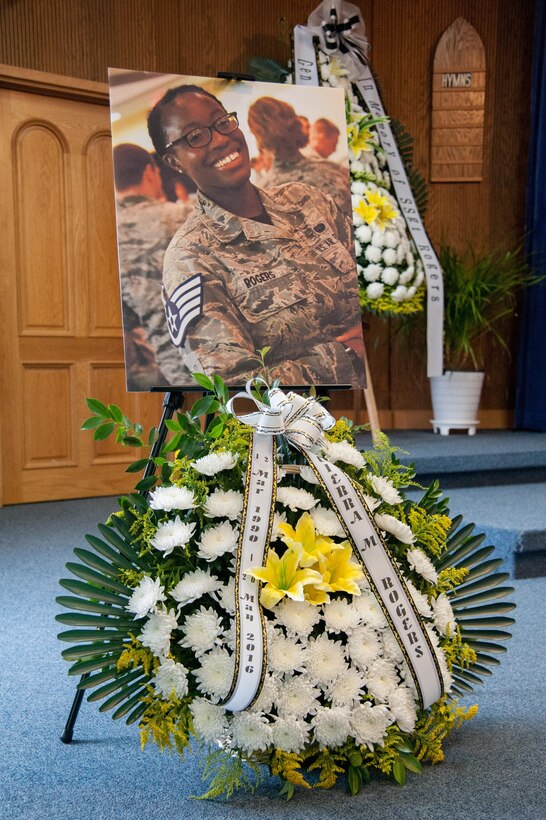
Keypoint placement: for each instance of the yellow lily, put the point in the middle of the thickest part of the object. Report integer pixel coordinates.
(339, 572)
(305, 538)
(282, 576)
(360, 140)
(369, 213)
(384, 208)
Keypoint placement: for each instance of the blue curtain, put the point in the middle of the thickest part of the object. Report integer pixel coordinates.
(531, 387)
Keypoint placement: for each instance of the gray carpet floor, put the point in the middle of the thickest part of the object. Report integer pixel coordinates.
(494, 765)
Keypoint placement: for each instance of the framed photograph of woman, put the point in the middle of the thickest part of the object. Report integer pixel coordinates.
(234, 231)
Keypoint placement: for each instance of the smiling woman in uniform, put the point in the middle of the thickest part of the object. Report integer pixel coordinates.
(252, 268)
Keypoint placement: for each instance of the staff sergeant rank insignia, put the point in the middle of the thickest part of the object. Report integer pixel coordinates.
(184, 305)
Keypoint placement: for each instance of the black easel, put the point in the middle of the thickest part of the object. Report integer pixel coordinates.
(172, 401)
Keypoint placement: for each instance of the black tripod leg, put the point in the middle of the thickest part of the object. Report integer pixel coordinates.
(171, 402)
(68, 733)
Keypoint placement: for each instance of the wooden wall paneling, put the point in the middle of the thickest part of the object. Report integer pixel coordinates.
(39, 170)
(104, 314)
(49, 434)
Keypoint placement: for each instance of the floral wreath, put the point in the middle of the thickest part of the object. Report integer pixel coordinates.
(152, 608)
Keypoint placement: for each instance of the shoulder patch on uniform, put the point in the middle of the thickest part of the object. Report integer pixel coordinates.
(183, 305)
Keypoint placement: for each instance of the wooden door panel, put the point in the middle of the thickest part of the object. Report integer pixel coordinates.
(59, 295)
(41, 210)
(103, 278)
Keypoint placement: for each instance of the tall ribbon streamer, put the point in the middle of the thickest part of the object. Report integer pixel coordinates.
(302, 422)
(250, 638)
(341, 31)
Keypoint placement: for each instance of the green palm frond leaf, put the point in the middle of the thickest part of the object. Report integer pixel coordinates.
(118, 683)
(113, 555)
(98, 578)
(81, 604)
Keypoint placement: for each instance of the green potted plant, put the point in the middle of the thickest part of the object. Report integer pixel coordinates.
(479, 291)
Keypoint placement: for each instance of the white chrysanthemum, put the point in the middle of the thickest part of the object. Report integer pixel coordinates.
(308, 475)
(389, 256)
(224, 504)
(402, 706)
(347, 689)
(290, 734)
(226, 596)
(172, 498)
(363, 647)
(391, 647)
(325, 659)
(375, 290)
(326, 522)
(332, 726)
(250, 731)
(358, 248)
(268, 694)
(284, 654)
(194, 585)
(297, 617)
(373, 254)
(215, 541)
(369, 723)
(215, 675)
(297, 697)
(369, 610)
(156, 632)
(407, 276)
(420, 600)
(444, 619)
(295, 499)
(229, 636)
(172, 534)
(171, 679)
(400, 293)
(340, 616)
(381, 679)
(392, 238)
(372, 273)
(421, 563)
(371, 502)
(385, 488)
(343, 451)
(215, 463)
(202, 631)
(444, 670)
(146, 596)
(378, 238)
(389, 275)
(363, 232)
(358, 187)
(278, 518)
(397, 528)
(209, 721)
(406, 675)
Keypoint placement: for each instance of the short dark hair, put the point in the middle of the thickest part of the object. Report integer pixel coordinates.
(130, 162)
(155, 115)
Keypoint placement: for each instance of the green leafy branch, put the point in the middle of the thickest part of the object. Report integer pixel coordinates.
(188, 437)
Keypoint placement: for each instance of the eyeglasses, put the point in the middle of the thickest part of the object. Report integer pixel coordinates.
(200, 137)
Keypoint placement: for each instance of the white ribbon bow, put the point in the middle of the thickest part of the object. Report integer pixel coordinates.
(301, 421)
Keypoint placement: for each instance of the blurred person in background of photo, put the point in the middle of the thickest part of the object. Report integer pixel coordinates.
(278, 129)
(324, 137)
(253, 268)
(146, 223)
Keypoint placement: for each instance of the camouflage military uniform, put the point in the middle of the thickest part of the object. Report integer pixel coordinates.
(145, 228)
(329, 177)
(290, 285)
